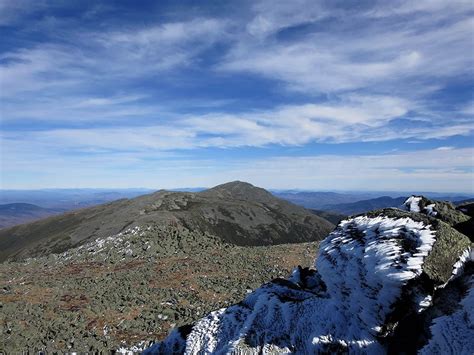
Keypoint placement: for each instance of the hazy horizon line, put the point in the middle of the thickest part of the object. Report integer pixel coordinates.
(289, 189)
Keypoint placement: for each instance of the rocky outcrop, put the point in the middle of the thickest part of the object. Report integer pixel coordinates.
(386, 281)
(459, 217)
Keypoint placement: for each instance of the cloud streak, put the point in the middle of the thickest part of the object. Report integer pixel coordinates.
(90, 58)
(382, 56)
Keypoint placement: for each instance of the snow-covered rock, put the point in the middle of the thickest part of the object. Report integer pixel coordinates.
(412, 203)
(420, 204)
(460, 218)
(373, 271)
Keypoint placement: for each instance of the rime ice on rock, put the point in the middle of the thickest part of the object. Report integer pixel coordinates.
(363, 267)
(412, 204)
(430, 210)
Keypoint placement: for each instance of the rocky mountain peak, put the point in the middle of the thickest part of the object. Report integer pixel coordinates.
(236, 212)
(240, 190)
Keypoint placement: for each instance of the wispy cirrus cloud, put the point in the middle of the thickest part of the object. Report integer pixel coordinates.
(11, 11)
(406, 7)
(424, 170)
(268, 19)
(354, 119)
(83, 59)
(358, 54)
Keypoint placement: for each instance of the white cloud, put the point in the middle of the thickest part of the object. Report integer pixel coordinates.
(348, 119)
(271, 16)
(405, 7)
(428, 170)
(344, 120)
(381, 69)
(135, 52)
(75, 109)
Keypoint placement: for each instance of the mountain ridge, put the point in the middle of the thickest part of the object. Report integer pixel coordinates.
(18, 213)
(237, 212)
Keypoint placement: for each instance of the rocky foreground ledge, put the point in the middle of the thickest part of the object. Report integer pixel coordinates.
(389, 281)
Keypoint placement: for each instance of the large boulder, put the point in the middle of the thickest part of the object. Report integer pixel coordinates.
(378, 275)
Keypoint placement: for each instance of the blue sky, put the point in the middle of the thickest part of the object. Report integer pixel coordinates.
(322, 95)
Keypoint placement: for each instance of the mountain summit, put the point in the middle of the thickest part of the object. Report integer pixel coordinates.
(240, 190)
(236, 212)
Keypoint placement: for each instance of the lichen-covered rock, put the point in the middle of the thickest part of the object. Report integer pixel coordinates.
(125, 290)
(374, 272)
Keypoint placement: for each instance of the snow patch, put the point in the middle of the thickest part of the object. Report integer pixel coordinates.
(458, 267)
(121, 243)
(412, 204)
(133, 349)
(364, 264)
(424, 302)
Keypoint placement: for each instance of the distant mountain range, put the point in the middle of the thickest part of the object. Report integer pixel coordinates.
(84, 197)
(365, 205)
(68, 199)
(318, 200)
(51, 202)
(350, 204)
(17, 213)
(461, 202)
(333, 217)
